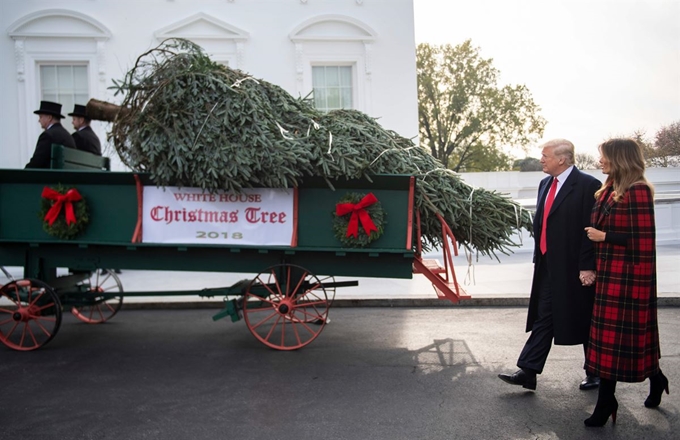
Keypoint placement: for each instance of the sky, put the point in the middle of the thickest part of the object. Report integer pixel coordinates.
(597, 68)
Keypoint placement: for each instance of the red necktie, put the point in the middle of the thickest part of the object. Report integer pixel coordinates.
(546, 211)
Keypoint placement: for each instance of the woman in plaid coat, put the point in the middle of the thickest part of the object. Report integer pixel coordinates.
(624, 335)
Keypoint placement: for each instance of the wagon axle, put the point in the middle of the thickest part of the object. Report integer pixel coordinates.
(283, 309)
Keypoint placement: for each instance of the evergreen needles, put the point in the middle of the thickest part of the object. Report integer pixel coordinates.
(189, 121)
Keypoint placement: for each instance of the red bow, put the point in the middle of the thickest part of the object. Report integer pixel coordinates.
(66, 200)
(358, 213)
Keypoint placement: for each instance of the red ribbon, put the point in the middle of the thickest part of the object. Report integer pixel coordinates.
(358, 213)
(66, 200)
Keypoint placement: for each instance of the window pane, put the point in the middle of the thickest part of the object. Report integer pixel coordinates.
(332, 87)
(333, 98)
(65, 78)
(346, 76)
(81, 98)
(332, 76)
(320, 98)
(64, 83)
(346, 97)
(80, 74)
(318, 76)
(49, 77)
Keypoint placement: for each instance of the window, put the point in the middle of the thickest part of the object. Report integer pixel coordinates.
(64, 83)
(332, 87)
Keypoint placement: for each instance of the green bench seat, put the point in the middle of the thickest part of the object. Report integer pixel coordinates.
(65, 158)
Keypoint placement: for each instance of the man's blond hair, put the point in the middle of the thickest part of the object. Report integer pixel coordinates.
(561, 148)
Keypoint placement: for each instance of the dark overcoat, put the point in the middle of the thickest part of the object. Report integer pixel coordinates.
(624, 336)
(569, 252)
(56, 134)
(87, 140)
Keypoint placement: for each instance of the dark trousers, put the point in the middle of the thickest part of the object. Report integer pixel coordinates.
(535, 351)
(537, 347)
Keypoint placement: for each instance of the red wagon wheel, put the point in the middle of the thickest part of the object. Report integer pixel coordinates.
(286, 307)
(99, 304)
(30, 314)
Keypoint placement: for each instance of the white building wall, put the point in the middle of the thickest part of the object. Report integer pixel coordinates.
(276, 40)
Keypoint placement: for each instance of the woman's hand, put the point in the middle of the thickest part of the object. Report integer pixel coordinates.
(595, 235)
(587, 277)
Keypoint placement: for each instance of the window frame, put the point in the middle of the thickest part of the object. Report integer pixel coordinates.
(39, 81)
(353, 81)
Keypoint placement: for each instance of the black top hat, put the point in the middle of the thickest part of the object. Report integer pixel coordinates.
(79, 110)
(49, 108)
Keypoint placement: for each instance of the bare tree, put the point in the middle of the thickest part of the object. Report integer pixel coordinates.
(664, 150)
(585, 161)
(667, 146)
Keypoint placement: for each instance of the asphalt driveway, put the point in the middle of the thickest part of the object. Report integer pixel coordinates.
(374, 373)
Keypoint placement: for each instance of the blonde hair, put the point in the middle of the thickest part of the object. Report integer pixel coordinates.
(626, 166)
(561, 148)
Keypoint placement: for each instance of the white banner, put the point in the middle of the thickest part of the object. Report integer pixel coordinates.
(258, 216)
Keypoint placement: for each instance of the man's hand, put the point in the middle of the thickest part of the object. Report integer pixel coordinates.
(587, 277)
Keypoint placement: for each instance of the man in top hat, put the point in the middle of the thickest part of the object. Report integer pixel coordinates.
(86, 139)
(49, 116)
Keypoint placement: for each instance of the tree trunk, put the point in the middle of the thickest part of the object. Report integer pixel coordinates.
(103, 111)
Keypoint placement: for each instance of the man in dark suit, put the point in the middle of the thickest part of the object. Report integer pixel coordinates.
(49, 116)
(562, 293)
(86, 139)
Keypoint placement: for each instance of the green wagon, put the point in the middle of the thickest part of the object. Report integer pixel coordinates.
(285, 304)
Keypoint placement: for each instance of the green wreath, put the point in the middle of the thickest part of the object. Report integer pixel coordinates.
(59, 228)
(341, 223)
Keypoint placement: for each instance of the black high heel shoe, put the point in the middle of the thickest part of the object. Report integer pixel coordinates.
(657, 385)
(602, 413)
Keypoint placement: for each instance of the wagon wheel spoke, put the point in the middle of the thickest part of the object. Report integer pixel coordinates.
(98, 297)
(28, 330)
(31, 314)
(295, 298)
(267, 318)
(319, 305)
(259, 283)
(308, 316)
(300, 281)
(34, 301)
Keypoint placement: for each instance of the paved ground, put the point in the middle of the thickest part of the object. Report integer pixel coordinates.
(374, 373)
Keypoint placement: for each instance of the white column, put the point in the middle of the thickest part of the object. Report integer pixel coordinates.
(20, 59)
(299, 69)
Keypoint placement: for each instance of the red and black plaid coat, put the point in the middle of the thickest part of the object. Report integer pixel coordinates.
(624, 334)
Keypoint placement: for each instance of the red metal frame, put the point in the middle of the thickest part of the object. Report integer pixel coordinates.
(443, 278)
(137, 235)
(294, 238)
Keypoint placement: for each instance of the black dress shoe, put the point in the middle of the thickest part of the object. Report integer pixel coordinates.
(590, 383)
(521, 377)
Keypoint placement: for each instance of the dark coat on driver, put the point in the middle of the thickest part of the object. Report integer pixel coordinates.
(42, 155)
